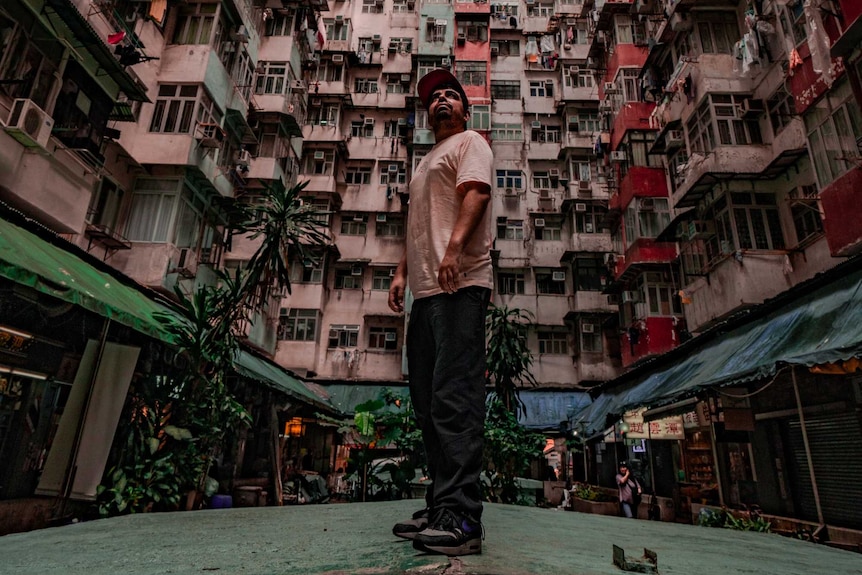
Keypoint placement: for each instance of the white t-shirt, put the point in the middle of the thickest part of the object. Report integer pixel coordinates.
(434, 207)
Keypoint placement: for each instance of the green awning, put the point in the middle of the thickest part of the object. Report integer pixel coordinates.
(822, 325)
(347, 396)
(29, 260)
(272, 375)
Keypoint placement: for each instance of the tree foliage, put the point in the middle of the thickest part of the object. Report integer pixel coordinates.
(509, 359)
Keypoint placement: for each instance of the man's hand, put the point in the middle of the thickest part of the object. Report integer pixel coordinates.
(396, 290)
(448, 277)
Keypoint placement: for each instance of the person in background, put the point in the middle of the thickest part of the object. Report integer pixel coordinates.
(447, 264)
(630, 491)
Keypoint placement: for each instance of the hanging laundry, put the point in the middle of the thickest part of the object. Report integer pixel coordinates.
(818, 42)
(795, 62)
(547, 43)
(513, 21)
(688, 89)
(570, 34)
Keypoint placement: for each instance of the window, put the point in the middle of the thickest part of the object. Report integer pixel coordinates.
(330, 71)
(281, 24)
(506, 47)
(590, 274)
(392, 173)
(537, 10)
(195, 23)
(152, 213)
(662, 297)
(336, 30)
(541, 89)
(507, 132)
(629, 31)
(546, 134)
(362, 129)
(550, 231)
(307, 272)
(589, 218)
(781, 109)
(272, 79)
(757, 223)
(323, 115)
(349, 278)
(480, 117)
(638, 144)
(297, 325)
(174, 110)
(28, 66)
(402, 6)
(435, 31)
(381, 279)
(471, 73)
(718, 122)
(551, 282)
(584, 123)
(590, 329)
(792, 18)
(372, 6)
(510, 179)
(578, 77)
(403, 45)
(541, 181)
(505, 89)
(806, 214)
(718, 32)
(582, 170)
(833, 125)
(321, 207)
(383, 338)
(105, 205)
(627, 79)
(553, 342)
(394, 85)
(391, 227)
(365, 86)
(343, 336)
(510, 229)
(510, 282)
(354, 224)
(473, 31)
(357, 175)
(320, 162)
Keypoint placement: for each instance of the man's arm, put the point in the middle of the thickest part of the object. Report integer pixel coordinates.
(398, 285)
(476, 195)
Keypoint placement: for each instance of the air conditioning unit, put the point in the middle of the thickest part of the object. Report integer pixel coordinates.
(29, 124)
(647, 204)
(558, 276)
(402, 121)
(339, 18)
(554, 174)
(445, 62)
(580, 207)
(510, 192)
(674, 140)
(539, 223)
(701, 229)
(544, 193)
(241, 34)
(376, 38)
(337, 58)
(369, 121)
(564, 179)
(393, 46)
(462, 38)
(381, 218)
(630, 297)
(298, 86)
(588, 328)
(358, 218)
(611, 88)
(585, 186)
(393, 168)
(356, 270)
(405, 78)
(618, 156)
(495, 51)
(536, 125)
(752, 108)
(391, 336)
(243, 157)
(319, 155)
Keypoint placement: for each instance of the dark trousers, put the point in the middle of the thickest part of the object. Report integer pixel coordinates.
(446, 360)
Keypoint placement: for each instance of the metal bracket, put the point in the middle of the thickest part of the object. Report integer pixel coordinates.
(646, 564)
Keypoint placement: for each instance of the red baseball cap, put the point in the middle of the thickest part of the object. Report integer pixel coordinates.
(435, 79)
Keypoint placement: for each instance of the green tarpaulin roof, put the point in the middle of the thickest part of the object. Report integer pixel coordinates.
(821, 326)
(270, 374)
(27, 259)
(347, 396)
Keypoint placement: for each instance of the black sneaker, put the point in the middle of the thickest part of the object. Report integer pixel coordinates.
(451, 533)
(410, 527)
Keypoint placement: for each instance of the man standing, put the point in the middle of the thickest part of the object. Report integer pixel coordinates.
(447, 265)
(628, 486)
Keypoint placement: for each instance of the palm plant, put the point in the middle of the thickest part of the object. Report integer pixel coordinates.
(509, 359)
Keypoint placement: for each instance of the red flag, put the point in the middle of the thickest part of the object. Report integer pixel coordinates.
(114, 39)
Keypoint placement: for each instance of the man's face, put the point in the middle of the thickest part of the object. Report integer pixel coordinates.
(446, 106)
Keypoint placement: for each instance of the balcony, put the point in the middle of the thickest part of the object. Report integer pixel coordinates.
(843, 211)
(588, 243)
(542, 150)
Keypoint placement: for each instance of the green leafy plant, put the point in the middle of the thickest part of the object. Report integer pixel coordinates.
(509, 360)
(589, 493)
(726, 519)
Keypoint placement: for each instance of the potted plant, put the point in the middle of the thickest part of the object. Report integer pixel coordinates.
(587, 499)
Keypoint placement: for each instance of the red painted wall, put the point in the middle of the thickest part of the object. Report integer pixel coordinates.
(625, 55)
(647, 250)
(472, 8)
(805, 84)
(476, 52)
(843, 214)
(852, 9)
(632, 116)
(655, 335)
(641, 181)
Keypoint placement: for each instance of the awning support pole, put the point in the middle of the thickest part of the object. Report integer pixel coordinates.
(814, 489)
(715, 465)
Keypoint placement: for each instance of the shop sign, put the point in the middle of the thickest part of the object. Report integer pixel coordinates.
(698, 417)
(665, 428)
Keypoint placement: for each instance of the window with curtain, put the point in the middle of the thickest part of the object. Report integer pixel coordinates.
(151, 215)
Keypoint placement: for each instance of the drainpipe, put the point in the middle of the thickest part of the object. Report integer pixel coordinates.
(807, 447)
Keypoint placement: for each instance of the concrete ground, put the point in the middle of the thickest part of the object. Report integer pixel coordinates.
(355, 539)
